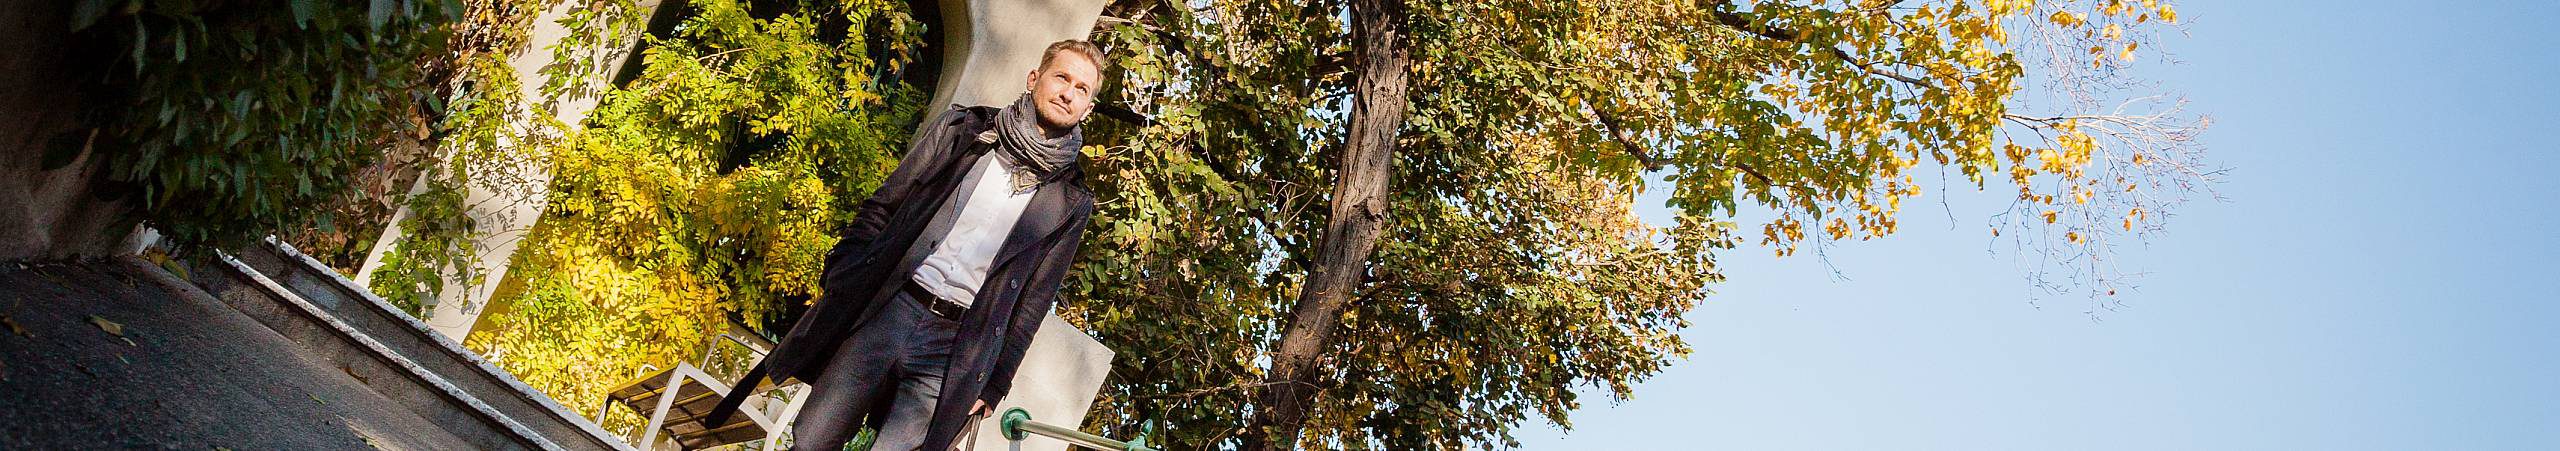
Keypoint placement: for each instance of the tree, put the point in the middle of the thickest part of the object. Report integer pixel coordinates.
(1824, 113)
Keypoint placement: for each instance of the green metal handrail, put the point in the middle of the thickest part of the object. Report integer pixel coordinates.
(1018, 422)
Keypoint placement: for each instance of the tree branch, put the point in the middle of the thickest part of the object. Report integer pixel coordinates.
(1175, 42)
(1737, 21)
(1652, 163)
(1618, 133)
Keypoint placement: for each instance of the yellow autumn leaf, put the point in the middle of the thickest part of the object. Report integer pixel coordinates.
(111, 327)
(2065, 18)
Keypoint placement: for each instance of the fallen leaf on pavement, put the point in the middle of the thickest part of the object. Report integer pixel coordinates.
(111, 327)
(351, 372)
(14, 327)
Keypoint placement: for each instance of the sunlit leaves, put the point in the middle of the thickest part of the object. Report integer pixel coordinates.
(649, 248)
(1831, 115)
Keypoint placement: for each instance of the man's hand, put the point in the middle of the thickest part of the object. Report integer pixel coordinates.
(980, 410)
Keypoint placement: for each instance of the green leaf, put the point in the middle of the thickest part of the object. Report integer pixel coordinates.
(141, 41)
(240, 104)
(379, 14)
(435, 105)
(87, 13)
(301, 13)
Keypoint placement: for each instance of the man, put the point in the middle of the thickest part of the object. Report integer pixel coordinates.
(934, 291)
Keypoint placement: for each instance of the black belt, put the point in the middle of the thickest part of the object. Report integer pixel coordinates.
(933, 303)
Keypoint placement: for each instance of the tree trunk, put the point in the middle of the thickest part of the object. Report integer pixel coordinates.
(1351, 233)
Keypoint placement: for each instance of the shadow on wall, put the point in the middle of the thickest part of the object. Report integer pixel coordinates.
(47, 214)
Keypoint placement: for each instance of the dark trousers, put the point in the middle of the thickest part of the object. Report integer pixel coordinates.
(898, 356)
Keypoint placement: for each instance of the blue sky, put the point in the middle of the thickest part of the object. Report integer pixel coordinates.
(2381, 276)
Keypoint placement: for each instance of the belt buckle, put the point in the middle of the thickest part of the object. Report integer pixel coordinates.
(935, 304)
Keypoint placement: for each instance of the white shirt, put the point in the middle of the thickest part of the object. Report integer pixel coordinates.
(958, 266)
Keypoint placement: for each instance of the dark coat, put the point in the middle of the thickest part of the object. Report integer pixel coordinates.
(893, 232)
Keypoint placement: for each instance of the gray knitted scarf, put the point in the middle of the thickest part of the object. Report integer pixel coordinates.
(1034, 154)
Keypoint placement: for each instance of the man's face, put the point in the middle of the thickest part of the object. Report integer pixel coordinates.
(1063, 90)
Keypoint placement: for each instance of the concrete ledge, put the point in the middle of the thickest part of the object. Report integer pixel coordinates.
(404, 335)
(377, 366)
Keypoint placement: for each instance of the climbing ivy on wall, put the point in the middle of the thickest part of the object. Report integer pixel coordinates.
(343, 232)
(495, 139)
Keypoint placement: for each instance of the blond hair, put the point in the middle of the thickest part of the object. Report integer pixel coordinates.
(1087, 49)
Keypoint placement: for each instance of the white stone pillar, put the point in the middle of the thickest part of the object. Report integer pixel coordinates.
(501, 218)
(992, 45)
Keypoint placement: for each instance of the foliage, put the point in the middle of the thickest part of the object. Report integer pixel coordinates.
(1831, 115)
(340, 232)
(1510, 271)
(222, 121)
(476, 81)
(651, 243)
(434, 233)
(1507, 275)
